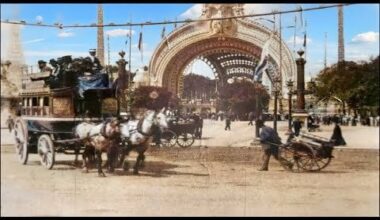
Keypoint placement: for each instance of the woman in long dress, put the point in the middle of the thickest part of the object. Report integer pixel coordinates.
(337, 136)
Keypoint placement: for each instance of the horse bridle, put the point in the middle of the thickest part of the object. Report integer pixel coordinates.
(139, 126)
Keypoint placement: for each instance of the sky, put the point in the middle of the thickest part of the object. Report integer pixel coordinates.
(361, 30)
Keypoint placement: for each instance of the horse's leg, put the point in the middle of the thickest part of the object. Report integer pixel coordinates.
(137, 164)
(111, 157)
(77, 150)
(85, 161)
(99, 157)
(121, 152)
(142, 164)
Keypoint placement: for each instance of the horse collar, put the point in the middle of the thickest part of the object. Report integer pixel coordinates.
(139, 128)
(103, 129)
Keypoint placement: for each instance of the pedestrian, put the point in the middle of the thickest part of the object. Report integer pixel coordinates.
(10, 123)
(297, 125)
(228, 122)
(270, 142)
(353, 123)
(337, 137)
(251, 116)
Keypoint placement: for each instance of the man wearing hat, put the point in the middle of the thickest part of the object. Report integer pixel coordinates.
(270, 142)
(45, 73)
(96, 63)
(43, 68)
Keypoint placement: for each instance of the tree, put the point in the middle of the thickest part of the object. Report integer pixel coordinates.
(198, 86)
(153, 97)
(240, 97)
(357, 84)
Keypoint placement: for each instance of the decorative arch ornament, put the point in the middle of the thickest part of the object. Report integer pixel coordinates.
(217, 38)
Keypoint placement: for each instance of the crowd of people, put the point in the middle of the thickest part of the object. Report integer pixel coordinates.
(347, 120)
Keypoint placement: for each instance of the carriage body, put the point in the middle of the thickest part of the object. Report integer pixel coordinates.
(308, 152)
(47, 118)
(181, 132)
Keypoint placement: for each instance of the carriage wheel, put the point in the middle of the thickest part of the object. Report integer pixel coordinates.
(321, 163)
(185, 140)
(286, 153)
(21, 140)
(46, 151)
(304, 157)
(168, 138)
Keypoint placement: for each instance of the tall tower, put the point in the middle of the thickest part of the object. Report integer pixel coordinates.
(100, 38)
(340, 33)
(14, 52)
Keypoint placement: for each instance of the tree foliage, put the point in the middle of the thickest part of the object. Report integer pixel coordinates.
(357, 84)
(198, 86)
(142, 98)
(240, 97)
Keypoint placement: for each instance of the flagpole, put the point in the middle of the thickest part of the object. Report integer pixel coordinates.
(129, 68)
(295, 32)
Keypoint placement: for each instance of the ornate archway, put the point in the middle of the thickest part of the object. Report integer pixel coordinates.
(231, 47)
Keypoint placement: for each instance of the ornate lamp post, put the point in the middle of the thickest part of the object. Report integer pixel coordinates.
(300, 111)
(276, 91)
(258, 112)
(289, 84)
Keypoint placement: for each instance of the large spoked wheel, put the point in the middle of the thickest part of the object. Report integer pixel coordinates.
(287, 161)
(46, 151)
(21, 140)
(304, 157)
(321, 163)
(168, 138)
(185, 140)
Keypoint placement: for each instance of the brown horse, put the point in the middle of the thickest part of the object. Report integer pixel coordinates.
(104, 137)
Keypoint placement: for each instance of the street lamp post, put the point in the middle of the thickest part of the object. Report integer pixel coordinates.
(276, 93)
(290, 93)
(258, 112)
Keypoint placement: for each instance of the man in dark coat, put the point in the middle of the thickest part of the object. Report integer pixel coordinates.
(251, 116)
(297, 125)
(228, 122)
(270, 141)
(337, 137)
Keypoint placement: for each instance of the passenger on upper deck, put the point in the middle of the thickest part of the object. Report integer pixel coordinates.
(96, 63)
(43, 68)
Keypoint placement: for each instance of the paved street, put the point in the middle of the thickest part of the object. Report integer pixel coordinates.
(241, 135)
(198, 181)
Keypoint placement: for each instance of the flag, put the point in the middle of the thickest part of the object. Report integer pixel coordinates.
(301, 17)
(140, 46)
(262, 65)
(140, 42)
(304, 40)
(260, 69)
(167, 42)
(163, 32)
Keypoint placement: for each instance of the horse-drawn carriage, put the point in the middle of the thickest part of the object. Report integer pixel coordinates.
(52, 106)
(306, 153)
(182, 132)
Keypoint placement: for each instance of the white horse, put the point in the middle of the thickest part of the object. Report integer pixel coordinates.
(98, 138)
(138, 134)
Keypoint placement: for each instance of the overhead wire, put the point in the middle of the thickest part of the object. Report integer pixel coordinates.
(148, 23)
